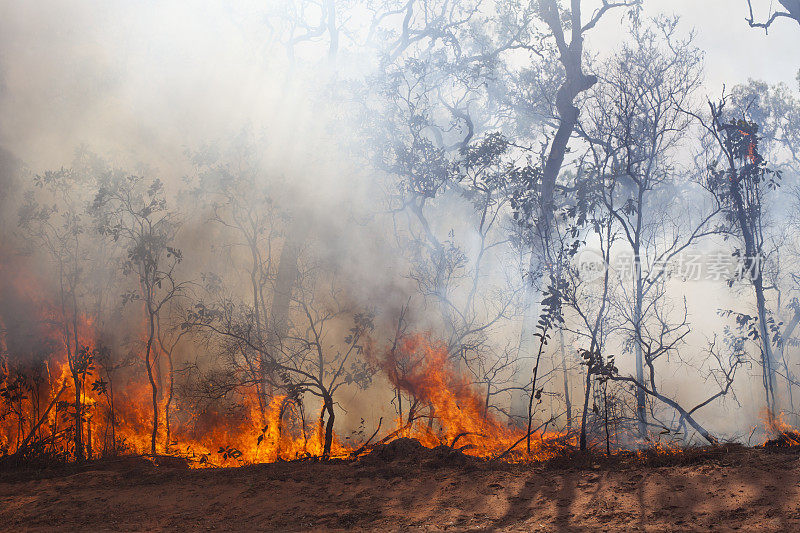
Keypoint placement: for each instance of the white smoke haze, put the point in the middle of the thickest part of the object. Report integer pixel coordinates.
(177, 90)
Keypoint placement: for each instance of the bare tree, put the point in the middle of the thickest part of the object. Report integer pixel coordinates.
(304, 360)
(639, 122)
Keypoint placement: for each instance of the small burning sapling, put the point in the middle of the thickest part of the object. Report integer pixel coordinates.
(103, 356)
(84, 367)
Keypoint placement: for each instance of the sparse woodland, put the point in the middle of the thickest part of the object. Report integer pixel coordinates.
(498, 236)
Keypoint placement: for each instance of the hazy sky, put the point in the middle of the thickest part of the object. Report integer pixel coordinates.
(128, 76)
(734, 51)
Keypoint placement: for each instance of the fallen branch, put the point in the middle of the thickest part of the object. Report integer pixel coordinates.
(35, 428)
(465, 434)
(364, 446)
(528, 434)
(685, 415)
(389, 437)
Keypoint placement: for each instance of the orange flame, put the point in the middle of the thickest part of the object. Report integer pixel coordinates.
(454, 406)
(783, 434)
(119, 419)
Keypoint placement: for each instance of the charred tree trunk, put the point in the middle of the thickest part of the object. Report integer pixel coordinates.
(255, 285)
(567, 399)
(326, 449)
(575, 82)
(767, 357)
(586, 393)
(151, 378)
(288, 270)
(79, 455)
(753, 266)
(76, 372)
(641, 410)
(73, 350)
(399, 407)
(89, 439)
(112, 414)
(168, 403)
(534, 394)
(605, 416)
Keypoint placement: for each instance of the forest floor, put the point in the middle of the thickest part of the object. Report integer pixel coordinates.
(727, 488)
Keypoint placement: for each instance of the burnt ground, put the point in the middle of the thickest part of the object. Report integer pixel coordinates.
(403, 488)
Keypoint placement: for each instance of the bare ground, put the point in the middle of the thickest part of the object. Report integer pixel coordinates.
(724, 489)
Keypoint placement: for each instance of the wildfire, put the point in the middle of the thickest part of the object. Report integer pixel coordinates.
(782, 434)
(457, 416)
(113, 415)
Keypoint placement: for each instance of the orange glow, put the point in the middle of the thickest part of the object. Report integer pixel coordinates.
(448, 409)
(782, 433)
(456, 414)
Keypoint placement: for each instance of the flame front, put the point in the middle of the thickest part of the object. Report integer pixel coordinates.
(444, 408)
(456, 415)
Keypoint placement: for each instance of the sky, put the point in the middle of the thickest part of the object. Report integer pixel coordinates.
(147, 76)
(734, 51)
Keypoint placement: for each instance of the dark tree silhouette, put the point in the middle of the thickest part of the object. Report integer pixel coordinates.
(792, 11)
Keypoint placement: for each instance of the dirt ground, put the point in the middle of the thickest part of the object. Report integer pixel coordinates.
(725, 489)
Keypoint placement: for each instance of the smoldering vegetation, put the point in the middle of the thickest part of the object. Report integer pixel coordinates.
(307, 229)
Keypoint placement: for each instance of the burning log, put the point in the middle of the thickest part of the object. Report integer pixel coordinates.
(44, 417)
(408, 450)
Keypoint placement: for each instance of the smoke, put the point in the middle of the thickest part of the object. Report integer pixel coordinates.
(155, 87)
(147, 86)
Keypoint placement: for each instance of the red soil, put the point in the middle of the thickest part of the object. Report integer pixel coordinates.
(730, 488)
